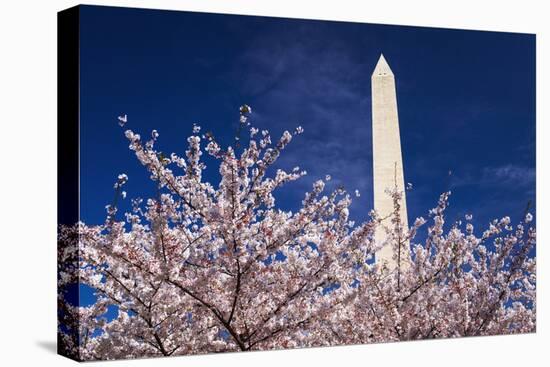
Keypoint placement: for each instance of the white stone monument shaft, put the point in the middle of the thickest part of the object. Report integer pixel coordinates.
(387, 160)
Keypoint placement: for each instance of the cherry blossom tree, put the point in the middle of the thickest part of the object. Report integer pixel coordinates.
(201, 268)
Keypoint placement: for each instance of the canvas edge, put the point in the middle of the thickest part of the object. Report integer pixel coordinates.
(68, 146)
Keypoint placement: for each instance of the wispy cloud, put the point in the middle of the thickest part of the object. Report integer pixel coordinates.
(281, 71)
(510, 175)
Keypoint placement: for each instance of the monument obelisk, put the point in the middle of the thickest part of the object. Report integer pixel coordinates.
(387, 161)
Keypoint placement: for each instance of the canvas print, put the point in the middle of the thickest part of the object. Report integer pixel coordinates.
(238, 183)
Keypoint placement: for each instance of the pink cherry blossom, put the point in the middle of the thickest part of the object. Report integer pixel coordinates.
(204, 268)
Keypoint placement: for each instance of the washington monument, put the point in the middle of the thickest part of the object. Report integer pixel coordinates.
(387, 161)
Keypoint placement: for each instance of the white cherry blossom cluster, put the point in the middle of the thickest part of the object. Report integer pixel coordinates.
(205, 267)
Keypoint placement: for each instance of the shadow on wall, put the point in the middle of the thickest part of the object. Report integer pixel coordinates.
(48, 345)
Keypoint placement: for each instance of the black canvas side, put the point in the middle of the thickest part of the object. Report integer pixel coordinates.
(67, 166)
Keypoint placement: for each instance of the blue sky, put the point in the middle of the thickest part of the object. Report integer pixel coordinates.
(466, 103)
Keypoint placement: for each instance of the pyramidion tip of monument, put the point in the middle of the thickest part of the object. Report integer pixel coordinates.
(382, 68)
